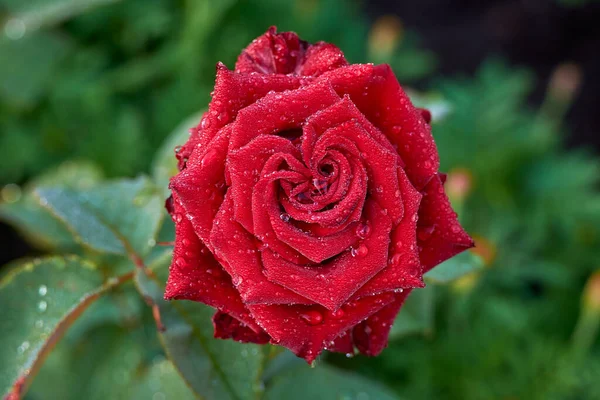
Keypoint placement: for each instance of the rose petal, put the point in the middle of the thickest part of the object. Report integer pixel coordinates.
(378, 95)
(371, 335)
(322, 57)
(244, 166)
(306, 330)
(196, 275)
(201, 186)
(229, 327)
(285, 53)
(277, 112)
(332, 283)
(447, 238)
(381, 164)
(404, 269)
(342, 343)
(232, 92)
(236, 248)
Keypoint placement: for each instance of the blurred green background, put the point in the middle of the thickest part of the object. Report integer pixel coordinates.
(98, 85)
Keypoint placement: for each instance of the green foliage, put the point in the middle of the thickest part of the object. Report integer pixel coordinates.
(40, 300)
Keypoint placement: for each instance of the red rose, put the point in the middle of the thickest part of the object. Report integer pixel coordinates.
(309, 201)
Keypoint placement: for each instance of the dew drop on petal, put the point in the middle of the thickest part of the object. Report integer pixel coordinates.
(312, 317)
(363, 230)
(395, 259)
(285, 217)
(42, 306)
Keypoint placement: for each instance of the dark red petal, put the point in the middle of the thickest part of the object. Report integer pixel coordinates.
(232, 92)
(371, 335)
(201, 186)
(342, 343)
(322, 57)
(229, 327)
(307, 330)
(426, 114)
(236, 248)
(244, 166)
(378, 95)
(332, 283)
(265, 208)
(340, 112)
(277, 112)
(381, 164)
(196, 275)
(447, 238)
(404, 269)
(285, 53)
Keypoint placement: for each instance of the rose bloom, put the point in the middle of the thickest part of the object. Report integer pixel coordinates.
(308, 203)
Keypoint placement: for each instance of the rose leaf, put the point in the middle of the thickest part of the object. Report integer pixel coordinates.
(39, 301)
(454, 268)
(119, 217)
(215, 369)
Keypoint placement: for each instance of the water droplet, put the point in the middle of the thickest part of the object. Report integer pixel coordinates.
(285, 217)
(15, 28)
(42, 306)
(178, 149)
(39, 324)
(363, 230)
(455, 228)
(151, 242)
(23, 347)
(425, 232)
(312, 317)
(360, 251)
(43, 290)
(395, 259)
(237, 280)
(339, 313)
(205, 123)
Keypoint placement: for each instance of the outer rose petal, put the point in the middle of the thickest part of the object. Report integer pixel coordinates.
(307, 330)
(342, 344)
(405, 270)
(201, 186)
(196, 275)
(378, 95)
(440, 236)
(371, 335)
(232, 92)
(285, 53)
(228, 327)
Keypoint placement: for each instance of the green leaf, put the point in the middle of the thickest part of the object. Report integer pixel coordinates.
(33, 221)
(127, 364)
(39, 301)
(416, 315)
(215, 369)
(323, 383)
(164, 165)
(460, 265)
(162, 380)
(120, 217)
